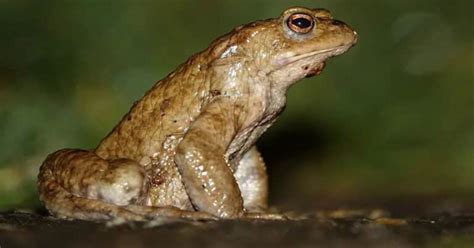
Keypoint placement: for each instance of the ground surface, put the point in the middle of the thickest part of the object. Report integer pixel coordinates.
(330, 229)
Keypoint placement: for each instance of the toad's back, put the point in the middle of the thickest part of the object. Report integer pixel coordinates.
(167, 109)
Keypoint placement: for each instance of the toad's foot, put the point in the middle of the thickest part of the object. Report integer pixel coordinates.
(266, 216)
(171, 212)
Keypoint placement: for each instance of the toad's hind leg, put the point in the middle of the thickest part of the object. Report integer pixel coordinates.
(80, 185)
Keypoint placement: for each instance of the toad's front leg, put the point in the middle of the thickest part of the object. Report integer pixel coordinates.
(208, 179)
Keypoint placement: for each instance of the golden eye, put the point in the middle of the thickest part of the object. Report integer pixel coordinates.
(300, 23)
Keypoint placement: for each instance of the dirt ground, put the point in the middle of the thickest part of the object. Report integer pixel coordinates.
(342, 228)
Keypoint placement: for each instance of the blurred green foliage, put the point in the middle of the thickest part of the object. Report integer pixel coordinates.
(395, 115)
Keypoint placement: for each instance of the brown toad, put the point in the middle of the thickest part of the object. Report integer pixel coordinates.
(186, 149)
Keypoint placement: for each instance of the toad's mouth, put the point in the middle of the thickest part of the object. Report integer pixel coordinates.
(315, 60)
(324, 54)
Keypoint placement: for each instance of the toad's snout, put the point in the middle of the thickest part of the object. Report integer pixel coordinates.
(345, 32)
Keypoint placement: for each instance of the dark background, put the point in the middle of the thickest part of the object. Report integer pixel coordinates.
(393, 119)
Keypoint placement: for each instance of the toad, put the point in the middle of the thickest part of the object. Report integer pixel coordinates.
(187, 147)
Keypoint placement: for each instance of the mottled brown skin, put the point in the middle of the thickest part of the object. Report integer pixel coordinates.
(186, 149)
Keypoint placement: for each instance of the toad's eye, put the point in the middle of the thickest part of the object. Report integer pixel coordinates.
(300, 23)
